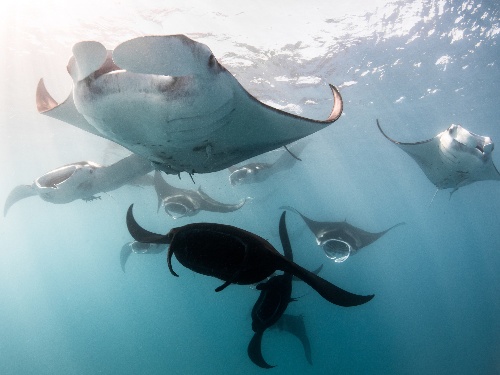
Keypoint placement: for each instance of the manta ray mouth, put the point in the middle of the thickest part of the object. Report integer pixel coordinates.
(468, 139)
(237, 177)
(336, 249)
(176, 209)
(140, 247)
(56, 177)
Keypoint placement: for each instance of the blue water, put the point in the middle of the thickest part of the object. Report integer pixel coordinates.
(66, 306)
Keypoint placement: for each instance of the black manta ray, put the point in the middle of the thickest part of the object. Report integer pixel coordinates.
(340, 239)
(453, 158)
(168, 99)
(185, 202)
(273, 300)
(235, 256)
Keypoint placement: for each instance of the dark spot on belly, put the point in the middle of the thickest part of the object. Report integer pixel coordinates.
(203, 146)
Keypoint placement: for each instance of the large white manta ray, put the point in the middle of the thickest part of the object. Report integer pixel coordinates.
(453, 158)
(168, 99)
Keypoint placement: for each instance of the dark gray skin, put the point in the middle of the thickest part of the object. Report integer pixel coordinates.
(185, 202)
(275, 295)
(138, 248)
(259, 172)
(341, 230)
(235, 256)
(295, 325)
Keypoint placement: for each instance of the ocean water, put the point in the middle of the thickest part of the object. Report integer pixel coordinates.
(418, 66)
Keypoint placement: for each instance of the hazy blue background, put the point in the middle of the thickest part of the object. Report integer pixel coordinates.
(66, 307)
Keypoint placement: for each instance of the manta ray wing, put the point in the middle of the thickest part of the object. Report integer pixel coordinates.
(426, 154)
(207, 203)
(18, 193)
(295, 325)
(125, 254)
(65, 111)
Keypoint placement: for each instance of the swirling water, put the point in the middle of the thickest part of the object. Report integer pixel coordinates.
(67, 307)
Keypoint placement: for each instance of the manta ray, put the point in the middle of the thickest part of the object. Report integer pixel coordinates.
(275, 295)
(235, 256)
(258, 172)
(340, 239)
(83, 180)
(453, 158)
(168, 99)
(294, 324)
(185, 202)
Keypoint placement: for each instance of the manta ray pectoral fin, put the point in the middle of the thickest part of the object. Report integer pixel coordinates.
(209, 204)
(124, 255)
(18, 193)
(402, 144)
(316, 271)
(169, 262)
(255, 351)
(285, 240)
(142, 235)
(169, 55)
(295, 325)
(66, 111)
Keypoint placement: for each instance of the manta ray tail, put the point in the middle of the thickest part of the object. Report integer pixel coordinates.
(434, 196)
(255, 352)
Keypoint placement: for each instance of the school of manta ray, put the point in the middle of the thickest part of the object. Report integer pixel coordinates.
(177, 110)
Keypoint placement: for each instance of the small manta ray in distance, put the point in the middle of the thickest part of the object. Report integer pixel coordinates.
(339, 239)
(168, 99)
(235, 256)
(453, 158)
(185, 202)
(258, 172)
